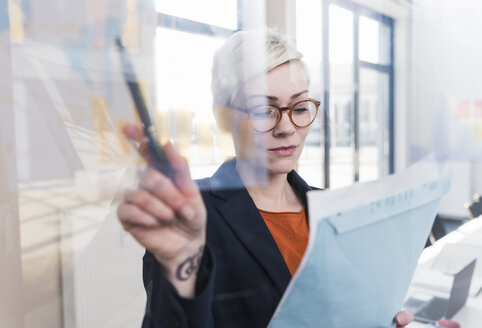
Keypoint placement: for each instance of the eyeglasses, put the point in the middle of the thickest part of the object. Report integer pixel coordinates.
(266, 117)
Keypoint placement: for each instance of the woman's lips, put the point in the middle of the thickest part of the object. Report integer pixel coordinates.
(283, 151)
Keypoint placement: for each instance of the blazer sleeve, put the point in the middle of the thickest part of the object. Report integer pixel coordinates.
(165, 308)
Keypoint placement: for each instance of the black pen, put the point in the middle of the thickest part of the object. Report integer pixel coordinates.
(158, 156)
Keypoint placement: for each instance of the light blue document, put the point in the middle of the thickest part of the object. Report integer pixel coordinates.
(365, 241)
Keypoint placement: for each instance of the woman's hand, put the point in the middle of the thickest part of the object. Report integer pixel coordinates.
(168, 217)
(403, 318)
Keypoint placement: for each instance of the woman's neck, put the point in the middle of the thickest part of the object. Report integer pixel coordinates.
(274, 195)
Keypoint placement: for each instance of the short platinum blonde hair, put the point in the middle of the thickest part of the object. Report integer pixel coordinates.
(245, 55)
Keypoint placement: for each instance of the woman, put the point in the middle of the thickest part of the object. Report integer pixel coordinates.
(224, 256)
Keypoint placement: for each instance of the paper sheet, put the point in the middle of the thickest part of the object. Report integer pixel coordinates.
(364, 244)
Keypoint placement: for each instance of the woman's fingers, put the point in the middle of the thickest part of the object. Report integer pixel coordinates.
(135, 133)
(131, 215)
(182, 175)
(181, 194)
(403, 318)
(163, 188)
(178, 163)
(150, 204)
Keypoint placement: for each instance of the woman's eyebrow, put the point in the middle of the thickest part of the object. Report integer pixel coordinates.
(273, 98)
(263, 96)
(296, 95)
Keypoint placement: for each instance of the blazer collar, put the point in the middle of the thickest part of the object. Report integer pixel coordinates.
(240, 213)
(226, 180)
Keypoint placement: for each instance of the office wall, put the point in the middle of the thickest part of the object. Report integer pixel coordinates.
(444, 115)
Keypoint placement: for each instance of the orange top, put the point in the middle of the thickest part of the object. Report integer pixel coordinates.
(290, 232)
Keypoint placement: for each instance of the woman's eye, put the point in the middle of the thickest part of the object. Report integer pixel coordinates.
(300, 109)
(262, 112)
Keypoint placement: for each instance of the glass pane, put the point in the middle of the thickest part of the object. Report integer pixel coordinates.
(374, 40)
(309, 42)
(310, 164)
(341, 96)
(184, 99)
(308, 30)
(206, 11)
(341, 35)
(374, 137)
(66, 261)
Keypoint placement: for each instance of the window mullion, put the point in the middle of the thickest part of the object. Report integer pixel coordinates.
(356, 98)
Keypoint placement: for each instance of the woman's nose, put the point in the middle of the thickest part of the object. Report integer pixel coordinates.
(285, 126)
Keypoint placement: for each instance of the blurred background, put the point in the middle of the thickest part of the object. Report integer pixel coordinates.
(397, 79)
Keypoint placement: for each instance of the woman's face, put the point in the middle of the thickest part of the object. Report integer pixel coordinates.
(280, 147)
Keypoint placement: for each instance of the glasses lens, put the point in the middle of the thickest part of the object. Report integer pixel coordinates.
(263, 118)
(304, 113)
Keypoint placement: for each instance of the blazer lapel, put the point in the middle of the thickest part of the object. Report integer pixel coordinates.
(240, 213)
(242, 216)
(244, 219)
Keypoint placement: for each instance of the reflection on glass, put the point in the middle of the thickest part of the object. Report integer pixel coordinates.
(221, 13)
(309, 42)
(341, 96)
(373, 115)
(184, 100)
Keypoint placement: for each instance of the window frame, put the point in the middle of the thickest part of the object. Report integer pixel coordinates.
(358, 11)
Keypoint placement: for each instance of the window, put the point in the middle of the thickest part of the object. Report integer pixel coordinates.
(188, 34)
(308, 16)
(354, 73)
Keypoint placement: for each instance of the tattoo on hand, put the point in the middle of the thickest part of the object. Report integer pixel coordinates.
(189, 266)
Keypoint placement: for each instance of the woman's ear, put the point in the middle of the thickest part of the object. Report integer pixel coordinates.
(224, 117)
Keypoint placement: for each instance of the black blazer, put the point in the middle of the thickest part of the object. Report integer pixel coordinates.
(243, 274)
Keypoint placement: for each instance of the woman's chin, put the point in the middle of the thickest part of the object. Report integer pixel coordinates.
(283, 167)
